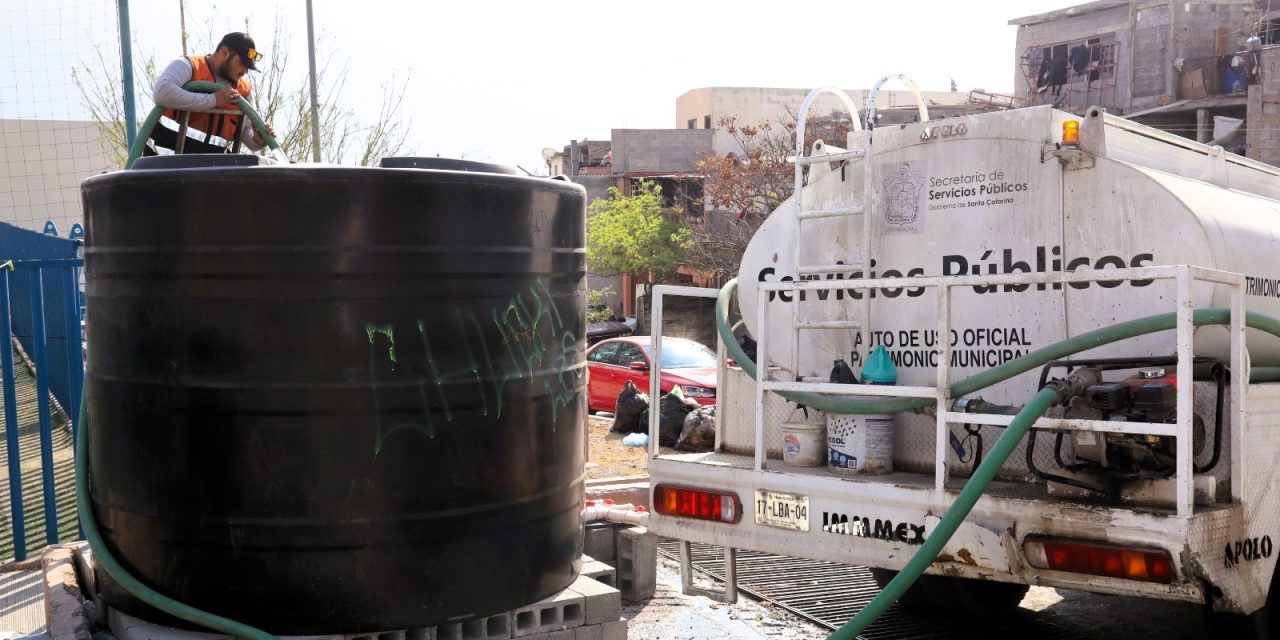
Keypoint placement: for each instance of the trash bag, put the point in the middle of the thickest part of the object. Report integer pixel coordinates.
(672, 410)
(699, 432)
(626, 415)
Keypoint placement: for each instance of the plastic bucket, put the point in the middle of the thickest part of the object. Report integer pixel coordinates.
(860, 444)
(804, 444)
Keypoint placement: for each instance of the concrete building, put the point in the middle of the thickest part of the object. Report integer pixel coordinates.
(704, 108)
(41, 167)
(1174, 65)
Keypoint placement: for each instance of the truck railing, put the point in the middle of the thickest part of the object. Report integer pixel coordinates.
(1183, 276)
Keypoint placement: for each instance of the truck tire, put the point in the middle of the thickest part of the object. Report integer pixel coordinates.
(978, 599)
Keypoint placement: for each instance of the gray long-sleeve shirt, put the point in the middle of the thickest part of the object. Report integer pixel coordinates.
(170, 95)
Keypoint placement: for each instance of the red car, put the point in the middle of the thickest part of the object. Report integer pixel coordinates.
(611, 363)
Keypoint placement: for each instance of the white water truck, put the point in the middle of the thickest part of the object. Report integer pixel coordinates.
(1082, 400)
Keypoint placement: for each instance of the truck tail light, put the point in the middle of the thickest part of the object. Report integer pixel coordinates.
(1099, 559)
(697, 503)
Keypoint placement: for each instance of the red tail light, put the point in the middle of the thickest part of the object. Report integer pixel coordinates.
(1099, 559)
(697, 503)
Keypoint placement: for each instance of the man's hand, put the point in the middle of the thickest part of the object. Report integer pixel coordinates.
(261, 141)
(227, 98)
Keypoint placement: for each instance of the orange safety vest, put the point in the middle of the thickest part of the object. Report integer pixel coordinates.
(223, 126)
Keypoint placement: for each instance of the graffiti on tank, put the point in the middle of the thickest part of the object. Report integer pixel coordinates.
(524, 340)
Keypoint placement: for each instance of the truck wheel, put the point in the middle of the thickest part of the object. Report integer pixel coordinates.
(979, 599)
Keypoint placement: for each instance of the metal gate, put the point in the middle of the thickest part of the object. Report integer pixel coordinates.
(41, 307)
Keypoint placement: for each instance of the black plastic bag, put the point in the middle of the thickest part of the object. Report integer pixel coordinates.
(628, 409)
(672, 411)
(699, 432)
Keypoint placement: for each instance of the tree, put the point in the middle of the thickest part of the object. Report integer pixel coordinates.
(742, 189)
(282, 99)
(633, 234)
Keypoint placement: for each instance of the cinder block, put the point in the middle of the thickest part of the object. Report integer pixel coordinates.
(489, 628)
(600, 572)
(564, 634)
(614, 630)
(591, 632)
(637, 563)
(600, 602)
(598, 542)
(556, 612)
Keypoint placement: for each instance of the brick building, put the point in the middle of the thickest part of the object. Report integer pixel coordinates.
(1189, 67)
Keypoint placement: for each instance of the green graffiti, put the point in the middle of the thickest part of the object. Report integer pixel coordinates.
(535, 343)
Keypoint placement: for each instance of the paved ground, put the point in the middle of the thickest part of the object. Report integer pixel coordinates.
(671, 615)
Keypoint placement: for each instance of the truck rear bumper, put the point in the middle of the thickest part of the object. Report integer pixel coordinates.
(880, 521)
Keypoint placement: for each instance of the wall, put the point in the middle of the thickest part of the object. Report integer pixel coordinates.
(754, 105)
(658, 150)
(42, 163)
(1056, 27)
(1263, 119)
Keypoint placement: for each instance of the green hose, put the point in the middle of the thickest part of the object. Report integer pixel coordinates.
(1033, 360)
(199, 86)
(108, 562)
(973, 489)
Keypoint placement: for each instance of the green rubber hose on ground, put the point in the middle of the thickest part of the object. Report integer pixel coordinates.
(1033, 360)
(955, 516)
(117, 572)
(200, 86)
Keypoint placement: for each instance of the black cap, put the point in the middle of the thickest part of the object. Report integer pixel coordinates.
(242, 45)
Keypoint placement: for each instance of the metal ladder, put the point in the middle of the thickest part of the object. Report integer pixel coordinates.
(858, 145)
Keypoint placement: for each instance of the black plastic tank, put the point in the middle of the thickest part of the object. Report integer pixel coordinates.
(335, 399)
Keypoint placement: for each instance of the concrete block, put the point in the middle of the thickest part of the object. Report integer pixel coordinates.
(598, 542)
(600, 572)
(637, 563)
(616, 630)
(64, 612)
(600, 602)
(591, 632)
(565, 634)
(489, 628)
(556, 612)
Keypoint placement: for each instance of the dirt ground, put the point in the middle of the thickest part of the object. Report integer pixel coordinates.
(607, 457)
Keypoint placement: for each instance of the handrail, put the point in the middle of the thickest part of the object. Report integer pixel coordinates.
(1183, 275)
(199, 86)
(871, 98)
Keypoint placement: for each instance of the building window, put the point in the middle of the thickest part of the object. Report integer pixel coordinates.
(693, 123)
(706, 122)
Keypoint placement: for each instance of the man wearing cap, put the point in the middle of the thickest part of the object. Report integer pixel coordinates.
(207, 132)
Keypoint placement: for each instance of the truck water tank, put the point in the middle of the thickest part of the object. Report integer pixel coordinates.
(337, 400)
(984, 194)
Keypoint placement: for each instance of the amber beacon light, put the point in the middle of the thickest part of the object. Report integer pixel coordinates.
(1071, 132)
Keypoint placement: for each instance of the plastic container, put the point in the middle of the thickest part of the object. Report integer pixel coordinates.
(804, 444)
(860, 444)
(879, 368)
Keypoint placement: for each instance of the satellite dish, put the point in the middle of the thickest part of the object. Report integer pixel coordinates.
(548, 153)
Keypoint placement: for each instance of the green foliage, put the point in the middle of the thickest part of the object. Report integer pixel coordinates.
(597, 311)
(632, 234)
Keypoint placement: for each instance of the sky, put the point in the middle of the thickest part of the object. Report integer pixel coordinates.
(499, 81)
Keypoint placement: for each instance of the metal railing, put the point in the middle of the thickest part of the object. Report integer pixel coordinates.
(30, 285)
(1183, 275)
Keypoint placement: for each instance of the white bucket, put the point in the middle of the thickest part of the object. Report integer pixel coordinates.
(860, 444)
(804, 444)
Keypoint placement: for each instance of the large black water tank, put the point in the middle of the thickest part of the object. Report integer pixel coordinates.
(336, 399)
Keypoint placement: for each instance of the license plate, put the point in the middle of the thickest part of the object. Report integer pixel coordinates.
(782, 510)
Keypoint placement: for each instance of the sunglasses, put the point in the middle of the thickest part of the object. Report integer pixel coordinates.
(253, 55)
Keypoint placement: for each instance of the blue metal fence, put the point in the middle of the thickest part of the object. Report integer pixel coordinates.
(41, 305)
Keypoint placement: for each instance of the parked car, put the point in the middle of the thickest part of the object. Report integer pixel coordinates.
(611, 363)
(597, 331)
